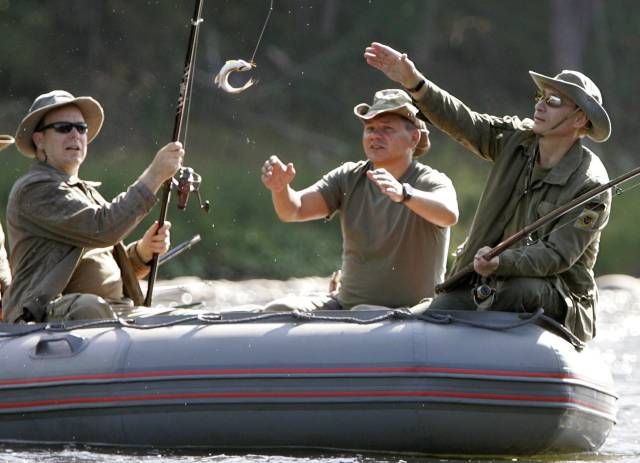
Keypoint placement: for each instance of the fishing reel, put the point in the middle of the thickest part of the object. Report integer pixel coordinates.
(189, 181)
(483, 295)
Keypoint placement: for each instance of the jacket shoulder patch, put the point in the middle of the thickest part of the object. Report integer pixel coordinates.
(587, 220)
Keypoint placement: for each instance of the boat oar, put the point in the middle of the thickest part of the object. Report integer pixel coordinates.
(455, 279)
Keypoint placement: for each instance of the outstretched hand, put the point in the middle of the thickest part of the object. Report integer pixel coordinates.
(387, 184)
(276, 176)
(395, 65)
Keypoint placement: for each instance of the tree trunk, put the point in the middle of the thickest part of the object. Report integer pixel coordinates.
(426, 36)
(570, 23)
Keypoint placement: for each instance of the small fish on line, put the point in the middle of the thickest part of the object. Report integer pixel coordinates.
(234, 65)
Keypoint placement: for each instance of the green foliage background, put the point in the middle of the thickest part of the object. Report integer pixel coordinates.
(129, 55)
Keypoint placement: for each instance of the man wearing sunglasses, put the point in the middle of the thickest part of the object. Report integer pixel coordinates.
(538, 165)
(66, 252)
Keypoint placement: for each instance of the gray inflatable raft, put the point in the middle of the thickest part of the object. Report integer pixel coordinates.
(444, 383)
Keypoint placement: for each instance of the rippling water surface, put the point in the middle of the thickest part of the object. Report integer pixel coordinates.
(618, 340)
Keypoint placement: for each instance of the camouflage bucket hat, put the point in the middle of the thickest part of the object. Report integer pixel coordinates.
(399, 102)
(90, 109)
(5, 141)
(585, 94)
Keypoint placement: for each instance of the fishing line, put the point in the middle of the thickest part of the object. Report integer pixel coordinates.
(264, 26)
(192, 66)
(239, 65)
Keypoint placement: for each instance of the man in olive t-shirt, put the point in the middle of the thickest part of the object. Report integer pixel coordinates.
(394, 211)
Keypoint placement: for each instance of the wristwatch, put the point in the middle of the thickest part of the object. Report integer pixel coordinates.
(407, 192)
(418, 86)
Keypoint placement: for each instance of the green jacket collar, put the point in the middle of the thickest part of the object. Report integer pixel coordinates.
(560, 173)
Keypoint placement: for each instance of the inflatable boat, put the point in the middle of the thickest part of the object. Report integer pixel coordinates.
(463, 383)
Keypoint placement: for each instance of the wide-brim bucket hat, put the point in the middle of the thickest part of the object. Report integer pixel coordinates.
(585, 94)
(91, 111)
(6, 141)
(396, 101)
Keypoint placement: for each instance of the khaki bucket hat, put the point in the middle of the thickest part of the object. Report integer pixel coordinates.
(90, 109)
(394, 100)
(6, 141)
(585, 94)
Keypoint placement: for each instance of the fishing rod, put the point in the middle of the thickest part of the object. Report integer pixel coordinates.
(177, 126)
(457, 277)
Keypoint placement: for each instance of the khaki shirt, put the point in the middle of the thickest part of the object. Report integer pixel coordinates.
(97, 273)
(390, 255)
(564, 250)
(52, 220)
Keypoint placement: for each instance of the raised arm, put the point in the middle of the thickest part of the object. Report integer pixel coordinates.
(291, 205)
(480, 133)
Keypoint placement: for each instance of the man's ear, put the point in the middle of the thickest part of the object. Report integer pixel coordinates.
(415, 136)
(581, 120)
(37, 137)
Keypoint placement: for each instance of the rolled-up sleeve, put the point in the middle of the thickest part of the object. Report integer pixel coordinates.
(140, 267)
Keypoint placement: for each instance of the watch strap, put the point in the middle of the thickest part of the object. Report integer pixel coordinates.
(418, 86)
(407, 192)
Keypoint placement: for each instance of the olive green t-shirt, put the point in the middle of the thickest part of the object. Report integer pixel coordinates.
(390, 256)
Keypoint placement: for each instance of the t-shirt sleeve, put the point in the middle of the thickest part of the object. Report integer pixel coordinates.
(436, 182)
(333, 186)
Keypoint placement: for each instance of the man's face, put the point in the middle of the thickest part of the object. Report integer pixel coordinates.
(64, 151)
(389, 137)
(553, 114)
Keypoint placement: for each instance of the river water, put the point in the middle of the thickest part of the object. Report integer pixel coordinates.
(618, 340)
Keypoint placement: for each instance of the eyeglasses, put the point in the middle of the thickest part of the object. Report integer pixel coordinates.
(553, 101)
(65, 127)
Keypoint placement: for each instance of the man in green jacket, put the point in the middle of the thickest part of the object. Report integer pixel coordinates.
(538, 165)
(66, 253)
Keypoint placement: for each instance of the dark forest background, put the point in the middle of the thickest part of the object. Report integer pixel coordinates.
(129, 54)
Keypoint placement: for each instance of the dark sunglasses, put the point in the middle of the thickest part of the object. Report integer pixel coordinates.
(65, 127)
(553, 101)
